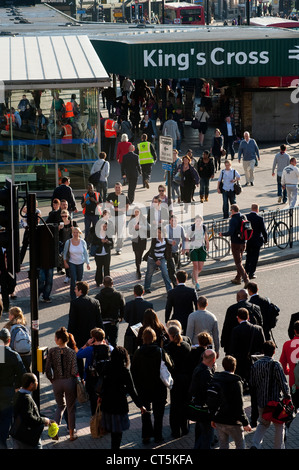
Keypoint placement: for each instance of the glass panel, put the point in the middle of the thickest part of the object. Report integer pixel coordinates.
(47, 134)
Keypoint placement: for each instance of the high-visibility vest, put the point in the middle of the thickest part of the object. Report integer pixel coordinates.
(68, 134)
(62, 173)
(145, 155)
(109, 128)
(96, 198)
(69, 110)
(8, 117)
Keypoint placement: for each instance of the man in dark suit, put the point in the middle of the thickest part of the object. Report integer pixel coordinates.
(182, 300)
(263, 303)
(64, 191)
(133, 314)
(84, 315)
(131, 169)
(259, 237)
(230, 321)
(246, 339)
(229, 134)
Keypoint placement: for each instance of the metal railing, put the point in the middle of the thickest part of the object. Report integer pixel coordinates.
(285, 235)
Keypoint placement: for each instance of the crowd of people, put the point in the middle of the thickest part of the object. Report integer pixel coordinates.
(188, 341)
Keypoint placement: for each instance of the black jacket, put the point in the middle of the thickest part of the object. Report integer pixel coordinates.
(246, 339)
(28, 424)
(116, 385)
(201, 378)
(65, 192)
(231, 321)
(112, 304)
(130, 165)
(84, 315)
(234, 229)
(134, 312)
(145, 370)
(233, 410)
(259, 236)
(181, 301)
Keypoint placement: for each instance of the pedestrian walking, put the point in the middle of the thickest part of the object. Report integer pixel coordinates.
(75, 255)
(290, 180)
(251, 155)
(281, 160)
(225, 186)
(206, 171)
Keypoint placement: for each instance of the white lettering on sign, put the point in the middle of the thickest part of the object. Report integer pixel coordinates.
(218, 57)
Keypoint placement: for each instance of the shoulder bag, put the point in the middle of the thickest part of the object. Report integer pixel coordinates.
(95, 177)
(82, 395)
(281, 411)
(165, 375)
(237, 186)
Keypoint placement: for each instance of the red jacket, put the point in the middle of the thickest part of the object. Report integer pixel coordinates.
(122, 149)
(289, 357)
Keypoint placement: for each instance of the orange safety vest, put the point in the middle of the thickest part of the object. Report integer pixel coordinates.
(62, 173)
(97, 199)
(69, 110)
(109, 128)
(68, 134)
(7, 116)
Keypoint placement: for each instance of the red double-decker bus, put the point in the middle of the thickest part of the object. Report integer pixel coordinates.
(183, 13)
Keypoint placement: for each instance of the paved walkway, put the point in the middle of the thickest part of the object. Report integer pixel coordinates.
(124, 279)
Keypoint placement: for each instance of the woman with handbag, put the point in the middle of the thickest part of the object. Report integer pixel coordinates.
(217, 149)
(75, 255)
(65, 233)
(202, 116)
(62, 371)
(117, 384)
(179, 351)
(189, 179)
(145, 370)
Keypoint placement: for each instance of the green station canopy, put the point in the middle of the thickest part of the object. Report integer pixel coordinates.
(237, 51)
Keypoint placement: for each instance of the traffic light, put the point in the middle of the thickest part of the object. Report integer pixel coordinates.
(9, 226)
(133, 11)
(140, 11)
(101, 13)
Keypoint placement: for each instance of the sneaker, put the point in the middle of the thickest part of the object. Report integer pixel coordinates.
(67, 280)
(46, 301)
(279, 200)
(252, 183)
(197, 286)
(146, 184)
(147, 291)
(118, 252)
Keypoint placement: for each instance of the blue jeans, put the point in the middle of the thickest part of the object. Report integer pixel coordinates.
(45, 282)
(76, 274)
(151, 268)
(228, 196)
(175, 190)
(89, 219)
(204, 435)
(281, 193)
(204, 186)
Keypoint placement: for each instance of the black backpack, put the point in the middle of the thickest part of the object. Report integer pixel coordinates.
(100, 356)
(272, 314)
(216, 400)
